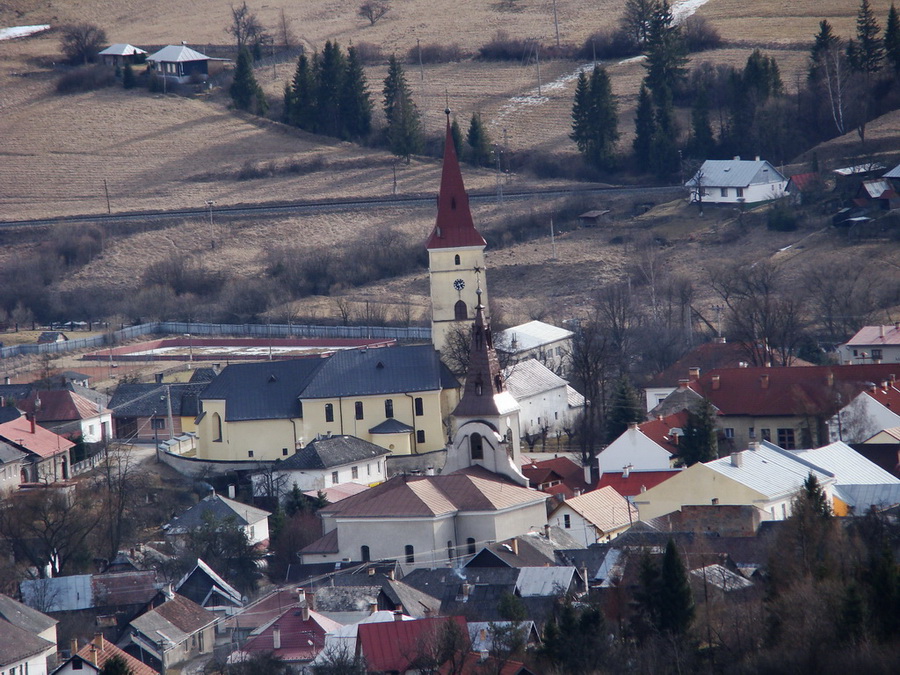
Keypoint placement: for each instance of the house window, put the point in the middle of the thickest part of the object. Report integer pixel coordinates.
(329, 412)
(364, 553)
(449, 550)
(77, 664)
(284, 452)
(420, 406)
(252, 533)
(359, 410)
(783, 512)
(460, 311)
(766, 434)
(876, 355)
(740, 192)
(470, 545)
(334, 477)
(786, 439)
(724, 192)
(300, 408)
(729, 432)
(389, 407)
(567, 521)
(368, 469)
(410, 554)
(354, 472)
(751, 433)
(160, 423)
(420, 436)
(476, 443)
(249, 453)
(855, 352)
(456, 259)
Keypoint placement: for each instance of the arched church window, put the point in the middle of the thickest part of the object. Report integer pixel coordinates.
(389, 407)
(456, 259)
(460, 311)
(476, 444)
(329, 412)
(470, 542)
(217, 428)
(364, 553)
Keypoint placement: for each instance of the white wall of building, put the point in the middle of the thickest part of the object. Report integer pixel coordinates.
(635, 449)
(861, 419)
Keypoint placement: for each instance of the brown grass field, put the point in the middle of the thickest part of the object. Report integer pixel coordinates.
(158, 152)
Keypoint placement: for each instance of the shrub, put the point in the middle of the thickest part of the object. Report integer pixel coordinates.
(781, 217)
(85, 79)
(699, 34)
(369, 53)
(435, 53)
(610, 43)
(81, 42)
(502, 47)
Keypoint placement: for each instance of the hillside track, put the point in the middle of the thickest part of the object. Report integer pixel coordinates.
(241, 211)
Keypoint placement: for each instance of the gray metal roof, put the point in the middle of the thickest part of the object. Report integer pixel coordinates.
(848, 466)
(324, 453)
(531, 335)
(534, 582)
(146, 400)
(391, 426)
(220, 508)
(176, 54)
(121, 49)
(8, 455)
(24, 616)
(368, 372)
(61, 594)
(530, 378)
(736, 173)
(864, 497)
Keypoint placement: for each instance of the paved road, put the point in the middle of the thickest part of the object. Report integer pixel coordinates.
(332, 206)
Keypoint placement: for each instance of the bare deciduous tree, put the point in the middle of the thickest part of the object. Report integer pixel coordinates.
(81, 42)
(373, 10)
(246, 28)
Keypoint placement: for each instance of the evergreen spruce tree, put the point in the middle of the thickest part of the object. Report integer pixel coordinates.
(699, 442)
(815, 496)
(116, 665)
(403, 133)
(644, 130)
(664, 148)
(479, 142)
(581, 113)
(824, 42)
(624, 408)
(356, 102)
(676, 601)
(594, 119)
(456, 135)
(867, 51)
(288, 103)
(665, 51)
(702, 144)
(330, 77)
(576, 641)
(128, 79)
(303, 112)
(245, 92)
(892, 39)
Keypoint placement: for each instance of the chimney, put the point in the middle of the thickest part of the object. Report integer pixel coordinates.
(829, 379)
(626, 470)
(694, 373)
(515, 546)
(371, 571)
(398, 613)
(304, 611)
(584, 575)
(764, 381)
(276, 636)
(373, 607)
(391, 574)
(231, 492)
(547, 531)
(716, 381)
(168, 592)
(429, 471)
(737, 459)
(682, 383)
(881, 331)
(753, 446)
(719, 340)
(158, 377)
(309, 599)
(577, 492)
(73, 646)
(98, 640)
(30, 418)
(737, 158)
(6, 380)
(633, 425)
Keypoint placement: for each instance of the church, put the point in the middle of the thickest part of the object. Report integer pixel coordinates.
(481, 495)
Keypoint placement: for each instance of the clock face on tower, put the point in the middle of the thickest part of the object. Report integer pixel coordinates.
(459, 284)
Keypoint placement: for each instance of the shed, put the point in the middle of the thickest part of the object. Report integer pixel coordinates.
(119, 54)
(594, 218)
(736, 181)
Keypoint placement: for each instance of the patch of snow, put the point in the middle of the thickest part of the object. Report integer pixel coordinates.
(685, 8)
(22, 31)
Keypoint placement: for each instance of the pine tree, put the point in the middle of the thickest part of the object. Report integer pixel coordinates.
(665, 62)
(644, 130)
(245, 91)
(698, 442)
(676, 602)
(624, 408)
(479, 143)
(816, 497)
(456, 135)
(664, 149)
(892, 39)
(128, 79)
(403, 132)
(303, 96)
(329, 87)
(824, 42)
(867, 51)
(356, 103)
(581, 113)
(702, 143)
(594, 119)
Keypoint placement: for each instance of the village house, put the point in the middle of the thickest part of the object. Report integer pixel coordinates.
(92, 658)
(218, 509)
(119, 54)
(599, 515)
(180, 63)
(736, 181)
(547, 404)
(63, 411)
(11, 463)
(649, 446)
(550, 345)
(27, 639)
(47, 455)
(323, 463)
(174, 632)
(872, 344)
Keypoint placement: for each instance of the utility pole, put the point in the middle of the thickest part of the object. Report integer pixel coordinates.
(537, 54)
(556, 24)
(212, 240)
(106, 189)
(552, 238)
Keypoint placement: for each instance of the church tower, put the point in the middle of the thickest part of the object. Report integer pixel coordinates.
(455, 253)
(486, 420)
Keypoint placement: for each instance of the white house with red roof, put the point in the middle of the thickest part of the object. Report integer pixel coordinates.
(47, 455)
(872, 344)
(868, 413)
(651, 446)
(66, 412)
(296, 636)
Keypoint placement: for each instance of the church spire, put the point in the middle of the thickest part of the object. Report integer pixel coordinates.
(483, 377)
(454, 226)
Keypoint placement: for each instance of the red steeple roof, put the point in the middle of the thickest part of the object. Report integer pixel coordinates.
(454, 226)
(483, 378)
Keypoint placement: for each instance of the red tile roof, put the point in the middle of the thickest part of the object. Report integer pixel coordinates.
(636, 482)
(658, 430)
(789, 391)
(60, 405)
(454, 226)
(805, 180)
(100, 650)
(473, 663)
(876, 335)
(563, 469)
(887, 394)
(301, 639)
(38, 441)
(393, 645)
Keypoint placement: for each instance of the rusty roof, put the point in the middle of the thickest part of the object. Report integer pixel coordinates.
(394, 645)
(100, 650)
(60, 405)
(38, 441)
